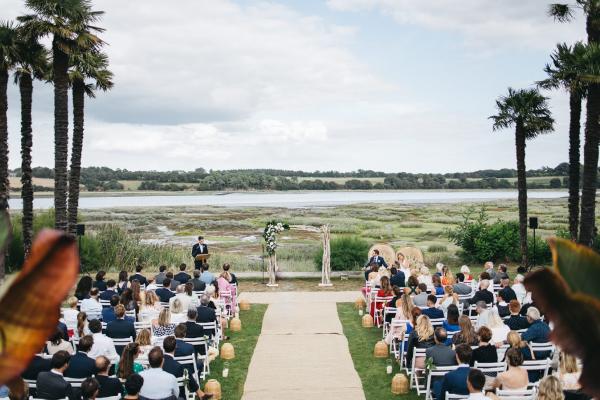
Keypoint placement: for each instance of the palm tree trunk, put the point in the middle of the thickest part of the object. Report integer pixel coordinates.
(590, 167)
(61, 136)
(574, 144)
(26, 89)
(3, 160)
(522, 188)
(75, 173)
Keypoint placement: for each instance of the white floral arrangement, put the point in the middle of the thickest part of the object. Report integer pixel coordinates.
(270, 234)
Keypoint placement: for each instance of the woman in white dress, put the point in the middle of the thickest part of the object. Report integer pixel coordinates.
(70, 315)
(425, 277)
(404, 305)
(449, 298)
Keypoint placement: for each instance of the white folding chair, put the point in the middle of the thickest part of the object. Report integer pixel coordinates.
(378, 312)
(181, 383)
(437, 321)
(438, 372)
(105, 303)
(387, 311)
(543, 347)
(452, 396)
(490, 370)
(528, 394)
(122, 342)
(142, 325)
(541, 366)
(108, 398)
(190, 360)
(75, 382)
(130, 313)
(417, 375)
(212, 327)
(204, 343)
(501, 351)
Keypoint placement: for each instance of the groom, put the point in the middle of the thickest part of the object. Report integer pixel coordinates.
(199, 248)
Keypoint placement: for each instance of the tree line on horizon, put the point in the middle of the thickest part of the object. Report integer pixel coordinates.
(73, 62)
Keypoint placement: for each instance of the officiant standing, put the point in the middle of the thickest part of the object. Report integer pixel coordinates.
(199, 248)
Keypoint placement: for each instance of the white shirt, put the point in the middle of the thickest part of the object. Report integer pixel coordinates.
(92, 308)
(70, 317)
(183, 298)
(499, 334)
(158, 384)
(478, 396)
(519, 291)
(103, 346)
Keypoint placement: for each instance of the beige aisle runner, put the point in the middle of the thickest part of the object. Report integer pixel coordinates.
(302, 352)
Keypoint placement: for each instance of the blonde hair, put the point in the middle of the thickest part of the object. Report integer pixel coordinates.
(144, 338)
(550, 389)
(151, 298)
(465, 269)
(514, 340)
(424, 329)
(164, 318)
(177, 307)
(72, 301)
(424, 270)
(406, 305)
(494, 320)
(568, 363)
(449, 290)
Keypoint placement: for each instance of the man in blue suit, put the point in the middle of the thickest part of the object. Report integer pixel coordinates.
(377, 259)
(455, 382)
(82, 366)
(398, 278)
(164, 293)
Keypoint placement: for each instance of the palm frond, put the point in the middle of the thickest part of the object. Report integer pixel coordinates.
(560, 12)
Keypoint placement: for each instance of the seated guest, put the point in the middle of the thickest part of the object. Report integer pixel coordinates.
(138, 276)
(502, 306)
(133, 385)
(174, 368)
(486, 352)
(123, 282)
(407, 313)
(103, 345)
(51, 385)
(515, 342)
(91, 306)
(198, 285)
(497, 326)
(488, 268)
(412, 286)
(466, 273)
(519, 288)
(483, 294)
(150, 308)
(371, 273)
(420, 338)
(183, 348)
(164, 293)
(99, 282)
(90, 389)
(82, 291)
(436, 281)
(420, 299)
(377, 259)
(128, 298)
(460, 287)
(384, 291)
(160, 277)
(431, 311)
(158, 384)
(205, 313)
(70, 314)
(109, 386)
(502, 273)
(193, 330)
(483, 314)
(467, 334)
(182, 276)
(58, 343)
(515, 378)
(38, 364)
(111, 290)
(163, 326)
(392, 303)
(108, 313)
(174, 282)
(144, 340)
(82, 325)
(507, 292)
(120, 328)
(538, 331)
(178, 313)
(447, 276)
(442, 355)
(425, 277)
(451, 322)
(475, 385)
(206, 276)
(550, 389)
(516, 322)
(183, 298)
(81, 365)
(127, 365)
(568, 372)
(62, 327)
(230, 276)
(455, 382)
(449, 298)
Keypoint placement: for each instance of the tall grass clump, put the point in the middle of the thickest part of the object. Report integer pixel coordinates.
(347, 253)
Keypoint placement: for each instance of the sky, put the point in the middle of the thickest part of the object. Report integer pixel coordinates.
(388, 85)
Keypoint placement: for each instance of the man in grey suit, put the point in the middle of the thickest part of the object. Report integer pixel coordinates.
(160, 277)
(420, 300)
(442, 355)
(460, 287)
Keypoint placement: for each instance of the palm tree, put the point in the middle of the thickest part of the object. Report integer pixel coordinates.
(526, 110)
(564, 13)
(69, 24)
(92, 65)
(9, 55)
(33, 64)
(565, 71)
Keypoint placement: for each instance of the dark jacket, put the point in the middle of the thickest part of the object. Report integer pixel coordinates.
(206, 314)
(81, 366)
(107, 294)
(485, 354)
(507, 294)
(199, 286)
(159, 278)
(482, 295)
(182, 277)
(109, 386)
(516, 322)
(183, 349)
(194, 330)
(141, 278)
(414, 342)
(52, 386)
(398, 280)
(164, 294)
(101, 285)
(377, 260)
(120, 329)
(37, 365)
(537, 332)
(174, 368)
(454, 382)
(442, 355)
(198, 249)
(62, 327)
(433, 313)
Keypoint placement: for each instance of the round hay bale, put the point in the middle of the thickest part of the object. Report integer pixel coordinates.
(244, 305)
(367, 321)
(386, 251)
(399, 384)
(381, 350)
(213, 387)
(413, 254)
(227, 352)
(235, 325)
(360, 303)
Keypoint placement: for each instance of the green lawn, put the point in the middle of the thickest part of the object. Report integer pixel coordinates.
(376, 383)
(244, 343)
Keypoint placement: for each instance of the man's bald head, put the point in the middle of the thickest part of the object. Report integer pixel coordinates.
(102, 364)
(484, 284)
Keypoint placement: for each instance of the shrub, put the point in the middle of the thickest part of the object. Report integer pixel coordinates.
(347, 253)
(437, 248)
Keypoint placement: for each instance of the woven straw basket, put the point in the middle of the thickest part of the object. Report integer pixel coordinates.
(235, 325)
(227, 351)
(381, 350)
(367, 321)
(213, 387)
